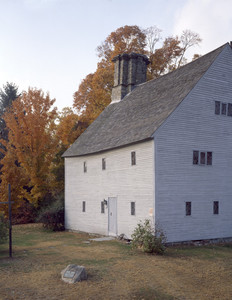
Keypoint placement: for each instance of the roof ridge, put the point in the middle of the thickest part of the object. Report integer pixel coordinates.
(186, 65)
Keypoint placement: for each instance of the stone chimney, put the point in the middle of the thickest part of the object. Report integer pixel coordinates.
(129, 71)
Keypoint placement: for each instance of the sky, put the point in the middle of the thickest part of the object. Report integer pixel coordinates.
(51, 44)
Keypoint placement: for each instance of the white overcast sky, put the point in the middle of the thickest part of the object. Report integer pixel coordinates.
(51, 44)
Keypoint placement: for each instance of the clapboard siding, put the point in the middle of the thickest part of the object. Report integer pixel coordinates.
(120, 179)
(194, 126)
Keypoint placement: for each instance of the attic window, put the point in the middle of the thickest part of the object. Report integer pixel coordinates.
(202, 158)
(103, 164)
(85, 167)
(222, 108)
(133, 158)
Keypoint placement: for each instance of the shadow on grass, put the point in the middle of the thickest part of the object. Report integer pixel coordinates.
(204, 252)
(151, 294)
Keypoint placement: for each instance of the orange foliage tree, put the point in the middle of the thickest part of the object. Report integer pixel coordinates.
(31, 147)
(94, 92)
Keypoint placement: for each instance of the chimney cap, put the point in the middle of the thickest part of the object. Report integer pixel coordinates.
(131, 55)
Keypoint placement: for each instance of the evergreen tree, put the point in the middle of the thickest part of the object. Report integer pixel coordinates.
(7, 95)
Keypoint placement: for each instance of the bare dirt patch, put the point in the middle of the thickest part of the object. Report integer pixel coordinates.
(114, 270)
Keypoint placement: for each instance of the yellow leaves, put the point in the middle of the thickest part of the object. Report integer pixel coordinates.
(32, 144)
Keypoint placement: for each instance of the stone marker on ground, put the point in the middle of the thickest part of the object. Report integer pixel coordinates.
(74, 273)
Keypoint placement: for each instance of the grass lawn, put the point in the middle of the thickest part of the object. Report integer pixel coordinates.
(114, 270)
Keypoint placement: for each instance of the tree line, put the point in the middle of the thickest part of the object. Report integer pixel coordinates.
(33, 134)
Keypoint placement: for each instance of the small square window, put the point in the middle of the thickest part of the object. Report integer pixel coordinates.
(103, 164)
(217, 107)
(195, 157)
(223, 108)
(202, 158)
(229, 112)
(133, 158)
(133, 208)
(85, 166)
(83, 206)
(188, 208)
(215, 207)
(209, 158)
(102, 207)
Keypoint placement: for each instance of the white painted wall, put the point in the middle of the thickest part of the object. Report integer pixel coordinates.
(194, 126)
(120, 179)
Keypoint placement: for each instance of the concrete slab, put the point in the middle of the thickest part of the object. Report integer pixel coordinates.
(102, 239)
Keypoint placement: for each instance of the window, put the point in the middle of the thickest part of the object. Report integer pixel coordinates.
(209, 158)
(133, 158)
(215, 207)
(195, 157)
(102, 207)
(222, 108)
(229, 111)
(188, 208)
(202, 158)
(133, 208)
(217, 107)
(103, 164)
(83, 206)
(223, 111)
(85, 166)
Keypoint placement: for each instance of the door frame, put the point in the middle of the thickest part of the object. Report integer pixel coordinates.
(110, 200)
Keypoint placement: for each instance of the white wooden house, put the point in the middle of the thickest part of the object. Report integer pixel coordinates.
(161, 150)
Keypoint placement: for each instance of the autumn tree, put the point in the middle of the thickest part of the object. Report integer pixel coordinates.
(67, 131)
(31, 147)
(94, 92)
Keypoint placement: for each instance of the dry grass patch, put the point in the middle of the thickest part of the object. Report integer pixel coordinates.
(114, 270)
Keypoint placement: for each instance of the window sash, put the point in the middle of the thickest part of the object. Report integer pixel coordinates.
(188, 207)
(209, 158)
(83, 206)
(102, 207)
(223, 108)
(229, 111)
(133, 158)
(216, 207)
(195, 157)
(103, 164)
(202, 158)
(217, 107)
(133, 208)
(85, 166)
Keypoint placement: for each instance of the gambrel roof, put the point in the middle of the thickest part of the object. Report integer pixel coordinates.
(140, 113)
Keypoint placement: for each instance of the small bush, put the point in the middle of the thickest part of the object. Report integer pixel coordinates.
(52, 217)
(3, 228)
(148, 239)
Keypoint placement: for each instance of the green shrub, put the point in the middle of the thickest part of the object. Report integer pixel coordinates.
(52, 217)
(148, 239)
(3, 228)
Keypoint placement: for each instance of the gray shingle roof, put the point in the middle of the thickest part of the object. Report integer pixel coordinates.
(139, 114)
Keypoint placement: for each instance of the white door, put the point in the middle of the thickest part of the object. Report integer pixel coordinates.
(112, 216)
